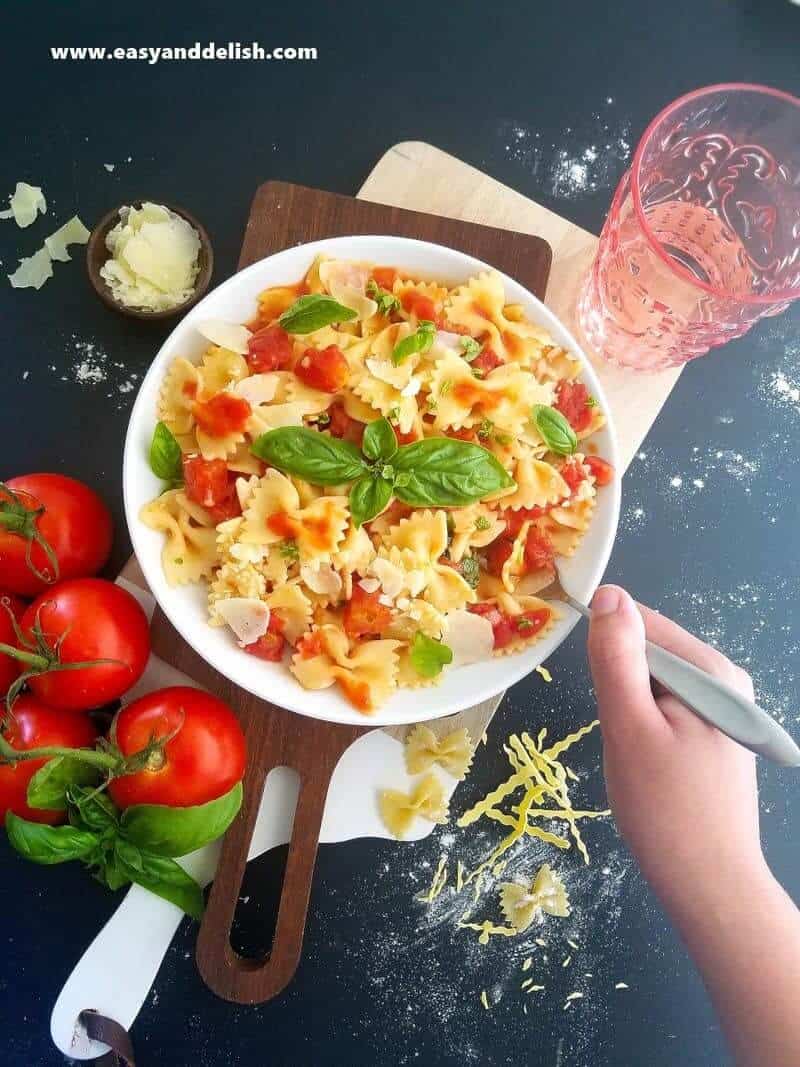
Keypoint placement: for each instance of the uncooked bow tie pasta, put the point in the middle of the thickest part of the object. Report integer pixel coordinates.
(375, 477)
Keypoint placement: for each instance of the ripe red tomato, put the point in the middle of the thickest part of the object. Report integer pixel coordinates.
(341, 425)
(602, 470)
(203, 760)
(416, 303)
(93, 619)
(269, 349)
(574, 403)
(208, 483)
(538, 550)
(506, 627)
(497, 553)
(364, 614)
(385, 277)
(9, 667)
(74, 522)
(325, 369)
(487, 360)
(573, 474)
(270, 645)
(224, 413)
(34, 725)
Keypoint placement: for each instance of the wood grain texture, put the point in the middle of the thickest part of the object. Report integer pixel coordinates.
(283, 215)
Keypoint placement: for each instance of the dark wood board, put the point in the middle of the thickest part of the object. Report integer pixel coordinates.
(283, 215)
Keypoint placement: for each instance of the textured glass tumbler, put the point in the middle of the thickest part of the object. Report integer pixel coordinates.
(703, 235)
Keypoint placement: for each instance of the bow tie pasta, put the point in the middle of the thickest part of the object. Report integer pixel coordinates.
(428, 455)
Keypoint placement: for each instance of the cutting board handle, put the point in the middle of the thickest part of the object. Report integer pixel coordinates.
(275, 738)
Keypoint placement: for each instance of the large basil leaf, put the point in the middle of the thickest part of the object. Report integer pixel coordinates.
(48, 787)
(315, 457)
(169, 831)
(90, 810)
(380, 441)
(165, 455)
(441, 472)
(161, 876)
(554, 429)
(312, 312)
(368, 497)
(48, 844)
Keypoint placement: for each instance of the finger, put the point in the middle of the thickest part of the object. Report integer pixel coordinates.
(669, 635)
(619, 668)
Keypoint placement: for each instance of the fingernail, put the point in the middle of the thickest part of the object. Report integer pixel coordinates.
(606, 600)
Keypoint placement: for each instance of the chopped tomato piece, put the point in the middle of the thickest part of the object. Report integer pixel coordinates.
(418, 304)
(497, 553)
(341, 425)
(364, 614)
(538, 550)
(222, 414)
(208, 483)
(269, 349)
(309, 645)
(325, 369)
(515, 519)
(574, 403)
(573, 474)
(602, 470)
(486, 361)
(385, 277)
(357, 692)
(501, 626)
(466, 433)
(405, 438)
(270, 645)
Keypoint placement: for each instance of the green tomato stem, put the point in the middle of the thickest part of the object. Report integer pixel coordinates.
(39, 663)
(103, 760)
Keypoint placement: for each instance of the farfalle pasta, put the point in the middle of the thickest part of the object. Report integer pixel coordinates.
(375, 484)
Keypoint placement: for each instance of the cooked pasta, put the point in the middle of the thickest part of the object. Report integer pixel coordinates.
(388, 458)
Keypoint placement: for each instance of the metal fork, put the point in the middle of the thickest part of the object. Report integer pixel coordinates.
(708, 697)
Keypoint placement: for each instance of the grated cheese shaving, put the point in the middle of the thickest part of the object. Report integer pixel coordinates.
(571, 998)
(526, 966)
(621, 985)
(32, 272)
(544, 673)
(484, 999)
(25, 204)
(73, 232)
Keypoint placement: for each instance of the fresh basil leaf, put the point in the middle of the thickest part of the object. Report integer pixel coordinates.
(387, 302)
(166, 879)
(379, 440)
(418, 341)
(129, 855)
(443, 472)
(471, 571)
(368, 497)
(173, 832)
(165, 455)
(48, 844)
(315, 457)
(312, 312)
(90, 810)
(428, 656)
(554, 430)
(112, 873)
(471, 348)
(48, 787)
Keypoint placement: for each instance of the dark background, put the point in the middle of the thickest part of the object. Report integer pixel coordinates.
(506, 87)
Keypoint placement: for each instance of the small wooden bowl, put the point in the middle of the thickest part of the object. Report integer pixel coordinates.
(97, 254)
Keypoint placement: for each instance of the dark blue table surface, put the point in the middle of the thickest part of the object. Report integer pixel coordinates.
(548, 98)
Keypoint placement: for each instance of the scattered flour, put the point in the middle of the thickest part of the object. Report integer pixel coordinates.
(89, 366)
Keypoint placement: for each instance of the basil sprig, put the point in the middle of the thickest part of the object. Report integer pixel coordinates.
(418, 341)
(436, 472)
(387, 302)
(554, 430)
(470, 348)
(312, 312)
(166, 461)
(429, 656)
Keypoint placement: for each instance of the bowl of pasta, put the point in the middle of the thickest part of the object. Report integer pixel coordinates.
(350, 469)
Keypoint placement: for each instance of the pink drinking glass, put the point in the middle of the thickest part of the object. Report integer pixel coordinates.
(703, 235)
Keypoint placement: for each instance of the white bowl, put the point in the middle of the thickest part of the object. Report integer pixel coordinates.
(185, 606)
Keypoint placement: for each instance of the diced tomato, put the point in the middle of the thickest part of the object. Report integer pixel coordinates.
(573, 474)
(574, 403)
(269, 349)
(538, 550)
(486, 361)
(357, 692)
(309, 645)
(515, 519)
(208, 483)
(385, 277)
(602, 470)
(418, 304)
(222, 414)
(270, 645)
(497, 553)
(341, 425)
(466, 433)
(405, 438)
(325, 369)
(530, 622)
(364, 614)
(501, 627)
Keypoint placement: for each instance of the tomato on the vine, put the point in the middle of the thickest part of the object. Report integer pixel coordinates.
(202, 756)
(51, 528)
(84, 621)
(35, 725)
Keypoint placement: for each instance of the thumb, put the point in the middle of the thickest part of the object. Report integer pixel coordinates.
(617, 660)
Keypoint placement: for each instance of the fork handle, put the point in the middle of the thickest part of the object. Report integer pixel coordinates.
(722, 706)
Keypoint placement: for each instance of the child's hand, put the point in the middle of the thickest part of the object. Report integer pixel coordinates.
(683, 794)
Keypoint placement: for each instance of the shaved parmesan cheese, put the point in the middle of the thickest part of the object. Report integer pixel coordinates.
(470, 637)
(323, 579)
(385, 600)
(32, 272)
(413, 387)
(346, 283)
(72, 232)
(246, 616)
(26, 202)
(385, 371)
(391, 578)
(257, 389)
(370, 585)
(228, 335)
(291, 414)
(445, 343)
(416, 581)
(154, 258)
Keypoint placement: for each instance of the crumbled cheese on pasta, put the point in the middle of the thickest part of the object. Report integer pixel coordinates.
(246, 616)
